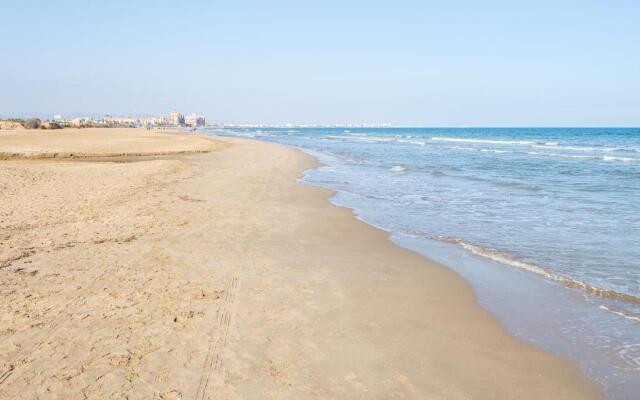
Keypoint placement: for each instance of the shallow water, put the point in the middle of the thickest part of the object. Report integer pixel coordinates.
(553, 211)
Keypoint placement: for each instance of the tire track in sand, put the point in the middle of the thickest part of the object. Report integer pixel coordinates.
(212, 368)
(213, 371)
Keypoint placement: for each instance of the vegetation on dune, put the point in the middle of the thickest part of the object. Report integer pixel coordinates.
(33, 123)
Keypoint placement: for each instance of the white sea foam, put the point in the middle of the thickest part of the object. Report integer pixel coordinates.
(620, 313)
(507, 259)
(481, 150)
(592, 157)
(448, 139)
(624, 159)
(417, 142)
(542, 145)
(362, 138)
(461, 148)
(575, 148)
(502, 258)
(631, 355)
(398, 168)
(536, 153)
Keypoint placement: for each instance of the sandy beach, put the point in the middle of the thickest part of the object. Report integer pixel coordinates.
(201, 269)
(97, 143)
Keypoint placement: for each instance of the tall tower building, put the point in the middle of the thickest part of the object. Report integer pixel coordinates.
(176, 118)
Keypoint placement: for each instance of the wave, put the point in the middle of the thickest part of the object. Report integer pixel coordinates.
(631, 355)
(362, 138)
(576, 148)
(509, 260)
(477, 149)
(535, 153)
(532, 153)
(398, 168)
(448, 139)
(484, 149)
(494, 151)
(600, 158)
(621, 313)
(541, 145)
(624, 159)
(418, 142)
(376, 139)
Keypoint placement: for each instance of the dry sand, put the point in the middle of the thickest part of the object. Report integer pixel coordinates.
(217, 276)
(90, 143)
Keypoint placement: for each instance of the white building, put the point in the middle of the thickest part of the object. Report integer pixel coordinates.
(127, 121)
(195, 120)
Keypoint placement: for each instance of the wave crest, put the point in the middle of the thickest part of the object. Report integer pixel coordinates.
(509, 260)
(448, 139)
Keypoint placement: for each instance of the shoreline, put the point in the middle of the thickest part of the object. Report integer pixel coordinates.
(593, 328)
(292, 296)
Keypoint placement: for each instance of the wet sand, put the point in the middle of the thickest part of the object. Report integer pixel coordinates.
(217, 276)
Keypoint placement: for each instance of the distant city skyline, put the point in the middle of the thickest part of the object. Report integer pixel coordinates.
(409, 63)
(176, 118)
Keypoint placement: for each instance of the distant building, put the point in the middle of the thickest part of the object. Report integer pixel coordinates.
(152, 121)
(174, 118)
(177, 119)
(121, 121)
(78, 122)
(195, 120)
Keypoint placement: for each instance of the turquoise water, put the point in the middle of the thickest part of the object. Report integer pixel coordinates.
(556, 210)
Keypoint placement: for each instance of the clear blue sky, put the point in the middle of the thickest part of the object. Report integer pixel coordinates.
(419, 63)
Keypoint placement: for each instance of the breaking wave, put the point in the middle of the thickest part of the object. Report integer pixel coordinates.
(509, 260)
(448, 139)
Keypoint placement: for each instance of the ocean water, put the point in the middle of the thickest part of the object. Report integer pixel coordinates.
(544, 223)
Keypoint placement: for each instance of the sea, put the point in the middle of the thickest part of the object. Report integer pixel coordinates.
(543, 222)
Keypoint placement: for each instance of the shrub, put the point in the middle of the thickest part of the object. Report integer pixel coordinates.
(33, 123)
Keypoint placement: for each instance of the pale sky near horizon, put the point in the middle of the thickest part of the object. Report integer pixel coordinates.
(409, 63)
